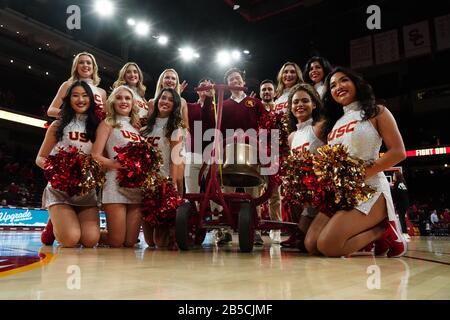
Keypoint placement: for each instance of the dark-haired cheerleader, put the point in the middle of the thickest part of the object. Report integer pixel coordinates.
(353, 119)
(74, 219)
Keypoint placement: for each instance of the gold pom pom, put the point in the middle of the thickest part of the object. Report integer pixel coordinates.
(343, 174)
(93, 175)
(298, 177)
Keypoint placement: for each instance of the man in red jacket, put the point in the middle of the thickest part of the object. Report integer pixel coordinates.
(239, 112)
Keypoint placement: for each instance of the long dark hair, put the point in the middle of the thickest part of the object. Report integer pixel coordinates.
(326, 66)
(332, 110)
(68, 114)
(174, 121)
(315, 98)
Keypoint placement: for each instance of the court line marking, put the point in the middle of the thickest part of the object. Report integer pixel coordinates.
(428, 260)
(446, 253)
(48, 257)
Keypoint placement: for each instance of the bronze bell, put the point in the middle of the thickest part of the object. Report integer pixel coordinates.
(241, 169)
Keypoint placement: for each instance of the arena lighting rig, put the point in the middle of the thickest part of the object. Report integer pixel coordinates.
(15, 117)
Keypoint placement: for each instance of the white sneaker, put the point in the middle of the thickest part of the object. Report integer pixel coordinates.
(258, 239)
(210, 238)
(275, 236)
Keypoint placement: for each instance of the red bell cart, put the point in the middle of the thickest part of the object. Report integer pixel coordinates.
(239, 209)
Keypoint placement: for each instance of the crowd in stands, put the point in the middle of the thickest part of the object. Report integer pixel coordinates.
(32, 103)
(429, 220)
(7, 97)
(21, 182)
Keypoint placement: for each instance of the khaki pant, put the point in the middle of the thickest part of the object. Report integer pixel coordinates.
(275, 205)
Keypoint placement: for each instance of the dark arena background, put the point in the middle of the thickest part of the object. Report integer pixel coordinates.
(401, 48)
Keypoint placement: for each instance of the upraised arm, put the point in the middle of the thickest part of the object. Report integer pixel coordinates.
(55, 106)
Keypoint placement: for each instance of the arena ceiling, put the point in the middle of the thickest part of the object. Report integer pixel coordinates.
(274, 31)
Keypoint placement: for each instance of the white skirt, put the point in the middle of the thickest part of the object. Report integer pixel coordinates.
(380, 184)
(52, 196)
(112, 193)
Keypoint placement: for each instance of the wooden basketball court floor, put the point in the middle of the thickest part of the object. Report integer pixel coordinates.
(29, 270)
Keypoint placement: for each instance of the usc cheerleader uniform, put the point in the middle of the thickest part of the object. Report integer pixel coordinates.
(74, 134)
(281, 103)
(305, 139)
(363, 142)
(112, 192)
(159, 140)
(140, 103)
(96, 93)
(320, 89)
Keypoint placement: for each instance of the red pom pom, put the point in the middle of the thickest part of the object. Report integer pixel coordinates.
(271, 121)
(100, 113)
(63, 170)
(299, 179)
(160, 203)
(138, 159)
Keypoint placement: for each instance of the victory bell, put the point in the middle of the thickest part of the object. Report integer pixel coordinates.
(240, 169)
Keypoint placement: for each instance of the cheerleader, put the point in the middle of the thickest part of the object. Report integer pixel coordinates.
(169, 79)
(304, 115)
(122, 205)
(84, 67)
(132, 76)
(352, 118)
(315, 72)
(75, 219)
(289, 75)
(163, 130)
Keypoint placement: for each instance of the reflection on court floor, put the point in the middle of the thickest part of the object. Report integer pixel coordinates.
(29, 270)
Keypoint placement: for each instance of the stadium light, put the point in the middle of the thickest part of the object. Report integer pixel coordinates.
(163, 40)
(11, 116)
(188, 54)
(131, 22)
(226, 57)
(142, 28)
(236, 55)
(223, 58)
(104, 8)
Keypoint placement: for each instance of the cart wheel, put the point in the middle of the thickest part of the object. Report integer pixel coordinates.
(182, 226)
(200, 235)
(187, 232)
(246, 228)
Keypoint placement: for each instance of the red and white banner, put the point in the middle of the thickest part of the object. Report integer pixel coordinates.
(386, 47)
(416, 38)
(428, 152)
(442, 28)
(361, 52)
